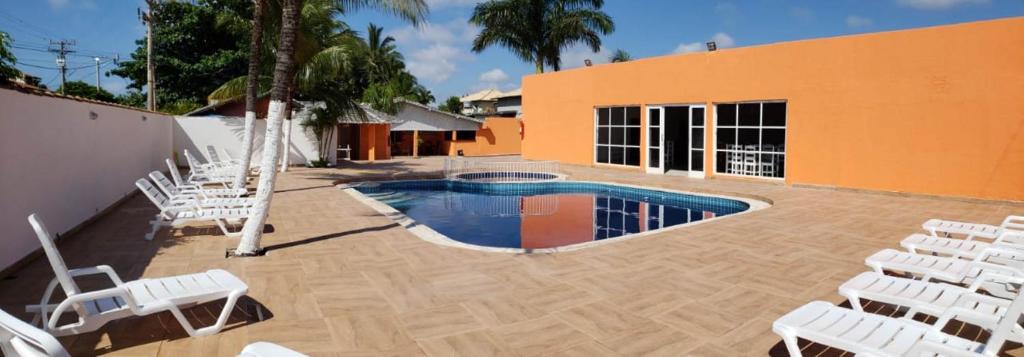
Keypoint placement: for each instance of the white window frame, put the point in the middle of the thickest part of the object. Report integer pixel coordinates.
(760, 137)
(625, 135)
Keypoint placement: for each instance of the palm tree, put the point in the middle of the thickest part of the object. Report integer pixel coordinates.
(251, 89)
(285, 76)
(382, 57)
(538, 30)
(452, 105)
(620, 55)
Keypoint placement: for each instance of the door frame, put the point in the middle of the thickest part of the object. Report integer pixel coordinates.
(661, 139)
(660, 170)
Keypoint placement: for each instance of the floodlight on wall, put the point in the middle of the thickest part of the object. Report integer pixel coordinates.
(712, 46)
(588, 62)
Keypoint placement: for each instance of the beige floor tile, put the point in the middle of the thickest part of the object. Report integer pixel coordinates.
(540, 336)
(367, 332)
(439, 321)
(469, 344)
(601, 320)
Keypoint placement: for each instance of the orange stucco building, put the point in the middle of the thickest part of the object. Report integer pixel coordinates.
(936, 111)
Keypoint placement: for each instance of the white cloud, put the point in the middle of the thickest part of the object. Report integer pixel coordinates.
(938, 4)
(722, 40)
(437, 4)
(576, 55)
(56, 4)
(436, 49)
(494, 76)
(435, 63)
(858, 21)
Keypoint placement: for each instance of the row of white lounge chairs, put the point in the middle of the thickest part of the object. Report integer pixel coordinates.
(180, 201)
(968, 272)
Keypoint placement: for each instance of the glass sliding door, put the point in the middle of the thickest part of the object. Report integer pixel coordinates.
(750, 139)
(617, 134)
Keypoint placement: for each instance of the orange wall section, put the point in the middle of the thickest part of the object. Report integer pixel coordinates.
(497, 136)
(373, 143)
(933, 111)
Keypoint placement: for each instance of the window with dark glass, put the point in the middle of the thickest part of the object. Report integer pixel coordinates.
(750, 139)
(618, 136)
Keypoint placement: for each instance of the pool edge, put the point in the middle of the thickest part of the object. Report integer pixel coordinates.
(428, 234)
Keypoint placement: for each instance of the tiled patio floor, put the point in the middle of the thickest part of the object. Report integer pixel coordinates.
(341, 279)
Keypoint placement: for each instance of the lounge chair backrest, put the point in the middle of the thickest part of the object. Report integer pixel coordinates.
(53, 255)
(192, 163)
(175, 174)
(214, 157)
(164, 184)
(18, 338)
(159, 199)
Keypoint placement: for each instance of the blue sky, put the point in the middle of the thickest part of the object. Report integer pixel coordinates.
(438, 52)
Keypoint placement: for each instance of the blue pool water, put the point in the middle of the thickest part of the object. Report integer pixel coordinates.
(543, 215)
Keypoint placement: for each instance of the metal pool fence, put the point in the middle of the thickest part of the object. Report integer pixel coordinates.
(501, 171)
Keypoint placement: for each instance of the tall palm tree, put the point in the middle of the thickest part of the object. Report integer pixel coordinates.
(382, 57)
(251, 89)
(538, 30)
(620, 55)
(285, 75)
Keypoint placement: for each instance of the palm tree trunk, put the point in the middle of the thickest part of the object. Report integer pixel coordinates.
(251, 88)
(540, 65)
(279, 96)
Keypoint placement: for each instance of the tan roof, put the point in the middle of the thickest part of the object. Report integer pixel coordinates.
(486, 94)
(518, 92)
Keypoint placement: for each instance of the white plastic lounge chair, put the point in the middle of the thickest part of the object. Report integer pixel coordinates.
(267, 349)
(944, 228)
(19, 338)
(134, 298)
(935, 299)
(192, 180)
(208, 172)
(1005, 249)
(254, 167)
(175, 192)
(953, 270)
(176, 213)
(869, 334)
(216, 159)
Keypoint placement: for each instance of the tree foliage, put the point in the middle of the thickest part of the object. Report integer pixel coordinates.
(538, 31)
(194, 50)
(86, 90)
(7, 59)
(452, 105)
(620, 55)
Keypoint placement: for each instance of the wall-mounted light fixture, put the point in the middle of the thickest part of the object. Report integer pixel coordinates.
(93, 115)
(143, 118)
(712, 46)
(588, 62)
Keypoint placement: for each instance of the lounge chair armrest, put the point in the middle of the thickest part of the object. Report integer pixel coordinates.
(1013, 222)
(988, 277)
(998, 250)
(986, 265)
(99, 269)
(116, 291)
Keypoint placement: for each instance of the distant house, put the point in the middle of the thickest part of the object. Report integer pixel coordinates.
(510, 104)
(480, 104)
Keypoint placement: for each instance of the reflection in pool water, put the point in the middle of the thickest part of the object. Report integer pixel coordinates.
(543, 215)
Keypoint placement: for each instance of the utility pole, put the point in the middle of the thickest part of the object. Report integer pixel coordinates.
(62, 48)
(147, 18)
(97, 73)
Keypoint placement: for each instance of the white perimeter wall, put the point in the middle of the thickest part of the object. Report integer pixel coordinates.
(196, 133)
(59, 163)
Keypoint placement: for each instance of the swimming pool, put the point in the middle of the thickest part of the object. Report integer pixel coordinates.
(544, 215)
